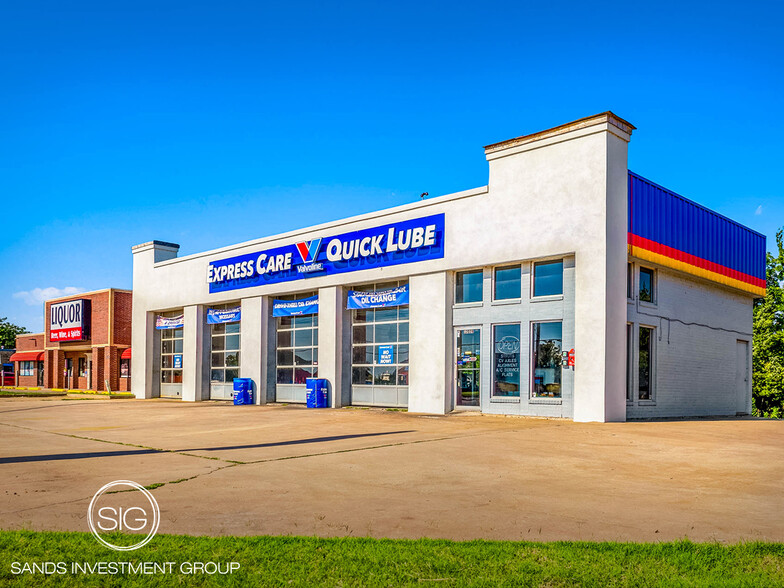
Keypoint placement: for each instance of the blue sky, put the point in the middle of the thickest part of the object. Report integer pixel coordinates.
(208, 124)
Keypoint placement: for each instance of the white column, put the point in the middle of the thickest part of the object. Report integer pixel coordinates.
(600, 298)
(193, 349)
(253, 345)
(144, 376)
(430, 335)
(332, 302)
(145, 358)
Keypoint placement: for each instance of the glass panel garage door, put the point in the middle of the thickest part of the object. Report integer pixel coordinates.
(171, 362)
(296, 353)
(379, 358)
(224, 356)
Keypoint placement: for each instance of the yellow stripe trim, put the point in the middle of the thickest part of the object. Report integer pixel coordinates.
(694, 270)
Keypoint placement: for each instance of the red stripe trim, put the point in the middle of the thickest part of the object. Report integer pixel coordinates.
(679, 255)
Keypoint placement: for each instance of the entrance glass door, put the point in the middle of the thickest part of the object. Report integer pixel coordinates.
(468, 351)
(68, 373)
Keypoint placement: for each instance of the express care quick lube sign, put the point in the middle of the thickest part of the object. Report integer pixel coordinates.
(68, 321)
(393, 244)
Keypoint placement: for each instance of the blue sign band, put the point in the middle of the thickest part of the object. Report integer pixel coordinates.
(393, 297)
(408, 241)
(295, 307)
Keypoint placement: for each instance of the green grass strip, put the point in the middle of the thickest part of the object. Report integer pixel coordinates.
(309, 561)
(29, 393)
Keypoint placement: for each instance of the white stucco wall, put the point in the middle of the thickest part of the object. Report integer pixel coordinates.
(560, 195)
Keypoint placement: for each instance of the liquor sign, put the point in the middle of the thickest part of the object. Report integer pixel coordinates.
(68, 321)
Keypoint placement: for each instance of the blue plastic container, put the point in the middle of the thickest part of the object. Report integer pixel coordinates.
(317, 393)
(243, 391)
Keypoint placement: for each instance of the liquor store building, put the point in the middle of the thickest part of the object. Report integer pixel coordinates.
(86, 344)
(567, 287)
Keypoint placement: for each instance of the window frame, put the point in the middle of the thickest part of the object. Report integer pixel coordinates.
(507, 398)
(629, 281)
(514, 299)
(654, 296)
(481, 300)
(651, 366)
(534, 297)
(532, 365)
(27, 370)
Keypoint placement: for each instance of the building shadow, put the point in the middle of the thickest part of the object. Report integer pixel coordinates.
(145, 451)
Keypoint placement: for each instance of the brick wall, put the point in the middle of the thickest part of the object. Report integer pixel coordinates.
(122, 318)
(104, 349)
(697, 327)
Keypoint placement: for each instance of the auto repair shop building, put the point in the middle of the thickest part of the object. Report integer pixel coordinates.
(567, 287)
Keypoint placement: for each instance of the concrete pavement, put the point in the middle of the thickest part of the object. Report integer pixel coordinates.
(288, 470)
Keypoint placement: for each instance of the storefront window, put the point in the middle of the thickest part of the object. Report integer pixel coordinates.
(225, 350)
(171, 356)
(546, 348)
(506, 360)
(506, 282)
(644, 363)
(548, 278)
(27, 368)
(297, 346)
(82, 366)
(125, 368)
(468, 287)
(379, 342)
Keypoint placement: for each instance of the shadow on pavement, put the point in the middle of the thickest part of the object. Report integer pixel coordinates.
(144, 451)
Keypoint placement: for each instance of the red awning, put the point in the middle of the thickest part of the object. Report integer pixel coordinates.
(28, 356)
(126, 354)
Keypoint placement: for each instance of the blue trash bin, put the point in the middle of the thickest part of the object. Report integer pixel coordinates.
(243, 391)
(317, 394)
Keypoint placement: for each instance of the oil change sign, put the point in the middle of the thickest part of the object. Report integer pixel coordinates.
(394, 244)
(68, 321)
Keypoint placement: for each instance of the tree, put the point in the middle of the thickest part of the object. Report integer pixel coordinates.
(8, 333)
(768, 341)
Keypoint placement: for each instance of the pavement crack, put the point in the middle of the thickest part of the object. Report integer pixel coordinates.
(338, 451)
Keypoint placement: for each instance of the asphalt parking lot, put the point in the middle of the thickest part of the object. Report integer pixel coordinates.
(287, 470)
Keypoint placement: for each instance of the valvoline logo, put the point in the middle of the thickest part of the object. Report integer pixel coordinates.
(309, 250)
